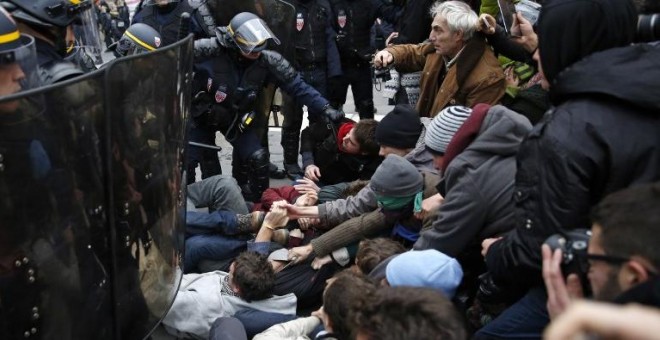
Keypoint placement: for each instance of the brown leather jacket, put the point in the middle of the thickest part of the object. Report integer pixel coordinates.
(476, 77)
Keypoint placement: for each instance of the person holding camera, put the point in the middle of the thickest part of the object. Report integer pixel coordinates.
(622, 259)
(459, 68)
(600, 136)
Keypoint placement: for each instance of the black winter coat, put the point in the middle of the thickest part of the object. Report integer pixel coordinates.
(602, 135)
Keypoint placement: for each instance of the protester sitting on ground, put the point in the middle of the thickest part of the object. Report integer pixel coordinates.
(339, 152)
(345, 295)
(202, 298)
(399, 313)
(335, 212)
(479, 166)
(424, 268)
(221, 231)
(440, 131)
(399, 189)
(458, 67)
(371, 252)
(623, 255)
(401, 132)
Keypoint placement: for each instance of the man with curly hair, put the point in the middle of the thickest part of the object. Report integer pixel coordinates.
(202, 298)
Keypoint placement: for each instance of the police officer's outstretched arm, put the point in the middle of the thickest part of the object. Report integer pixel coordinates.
(288, 79)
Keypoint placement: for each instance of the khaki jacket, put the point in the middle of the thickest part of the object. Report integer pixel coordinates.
(476, 77)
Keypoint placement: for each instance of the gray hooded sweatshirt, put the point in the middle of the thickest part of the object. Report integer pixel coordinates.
(478, 187)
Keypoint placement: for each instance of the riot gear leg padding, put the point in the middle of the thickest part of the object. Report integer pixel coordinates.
(259, 181)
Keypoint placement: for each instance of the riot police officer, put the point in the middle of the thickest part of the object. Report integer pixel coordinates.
(236, 68)
(165, 17)
(49, 22)
(316, 59)
(353, 20)
(18, 61)
(138, 38)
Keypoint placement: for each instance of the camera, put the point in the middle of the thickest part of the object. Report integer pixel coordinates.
(573, 245)
(382, 73)
(648, 27)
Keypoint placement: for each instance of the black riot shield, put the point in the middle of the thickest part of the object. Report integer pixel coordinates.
(92, 210)
(281, 19)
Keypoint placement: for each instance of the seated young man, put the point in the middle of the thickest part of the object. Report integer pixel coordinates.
(344, 296)
(409, 313)
(202, 298)
(340, 152)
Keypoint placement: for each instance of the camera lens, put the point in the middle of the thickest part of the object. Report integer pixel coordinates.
(648, 27)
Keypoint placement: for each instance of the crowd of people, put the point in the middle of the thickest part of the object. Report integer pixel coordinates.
(513, 190)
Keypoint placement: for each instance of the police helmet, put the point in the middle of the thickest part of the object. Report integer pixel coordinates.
(138, 38)
(250, 33)
(47, 13)
(54, 16)
(17, 55)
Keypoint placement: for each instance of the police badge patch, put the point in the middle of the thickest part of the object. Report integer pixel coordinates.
(221, 94)
(300, 22)
(341, 18)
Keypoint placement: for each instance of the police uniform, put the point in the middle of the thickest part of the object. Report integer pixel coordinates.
(316, 58)
(226, 88)
(353, 20)
(167, 20)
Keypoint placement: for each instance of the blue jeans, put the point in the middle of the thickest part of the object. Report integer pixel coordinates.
(256, 321)
(227, 328)
(215, 236)
(525, 319)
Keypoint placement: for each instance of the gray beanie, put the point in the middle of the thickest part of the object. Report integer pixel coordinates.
(396, 177)
(443, 127)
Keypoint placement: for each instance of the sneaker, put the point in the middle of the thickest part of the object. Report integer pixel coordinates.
(251, 222)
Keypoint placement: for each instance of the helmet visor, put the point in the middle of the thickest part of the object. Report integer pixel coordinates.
(252, 36)
(86, 35)
(158, 2)
(19, 68)
(125, 47)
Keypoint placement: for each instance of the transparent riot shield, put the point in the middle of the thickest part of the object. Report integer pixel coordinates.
(92, 213)
(281, 19)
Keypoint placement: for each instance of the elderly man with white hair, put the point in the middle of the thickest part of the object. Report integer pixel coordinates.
(462, 71)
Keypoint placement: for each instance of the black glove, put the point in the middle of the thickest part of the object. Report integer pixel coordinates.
(332, 114)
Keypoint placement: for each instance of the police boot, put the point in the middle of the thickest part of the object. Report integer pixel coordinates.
(366, 109)
(239, 171)
(210, 165)
(290, 143)
(275, 172)
(258, 164)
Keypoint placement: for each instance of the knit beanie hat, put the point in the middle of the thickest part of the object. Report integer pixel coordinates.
(396, 177)
(443, 127)
(425, 268)
(400, 128)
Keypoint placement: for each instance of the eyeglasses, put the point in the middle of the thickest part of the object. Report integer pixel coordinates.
(611, 259)
(617, 260)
